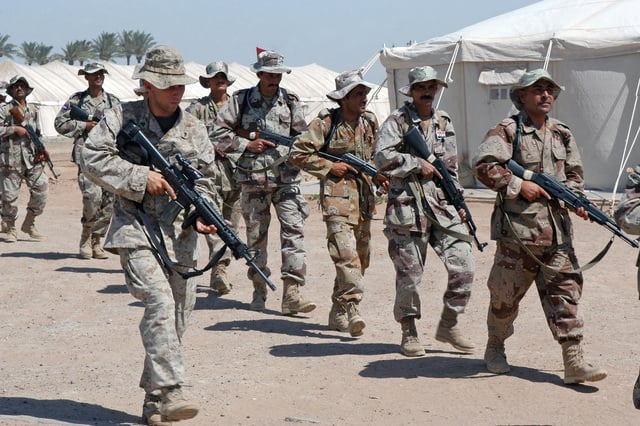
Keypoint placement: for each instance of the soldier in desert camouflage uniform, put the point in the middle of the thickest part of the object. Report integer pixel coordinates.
(533, 232)
(217, 80)
(167, 296)
(418, 213)
(97, 204)
(18, 162)
(347, 196)
(267, 178)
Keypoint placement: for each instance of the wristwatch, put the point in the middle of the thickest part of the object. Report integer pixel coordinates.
(252, 136)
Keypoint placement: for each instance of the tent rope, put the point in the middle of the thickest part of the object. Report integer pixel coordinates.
(548, 55)
(449, 73)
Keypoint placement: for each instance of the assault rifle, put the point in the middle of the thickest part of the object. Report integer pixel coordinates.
(575, 201)
(79, 114)
(182, 177)
(354, 161)
(41, 153)
(265, 134)
(414, 140)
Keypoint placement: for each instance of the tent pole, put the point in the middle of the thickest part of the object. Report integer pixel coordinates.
(447, 76)
(548, 55)
(626, 152)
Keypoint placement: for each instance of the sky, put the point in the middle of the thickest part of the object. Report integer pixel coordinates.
(337, 34)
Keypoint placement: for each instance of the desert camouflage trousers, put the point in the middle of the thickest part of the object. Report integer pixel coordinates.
(168, 303)
(291, 210)
(408, 251)
(97, 206)
(11, 179)
(350, 250)
(512, 274)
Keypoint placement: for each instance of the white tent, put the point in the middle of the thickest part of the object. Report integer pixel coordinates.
(54, 82)
(593, 48)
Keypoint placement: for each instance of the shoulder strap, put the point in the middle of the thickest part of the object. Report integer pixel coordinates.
(332, 129)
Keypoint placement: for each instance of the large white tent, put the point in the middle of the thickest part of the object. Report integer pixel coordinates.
(593, 49)
(54, 82)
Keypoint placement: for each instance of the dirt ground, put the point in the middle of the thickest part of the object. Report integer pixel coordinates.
(70, 352)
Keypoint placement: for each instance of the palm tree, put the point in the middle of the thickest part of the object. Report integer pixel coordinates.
(106, 46)
(125, 39)
(7, 49)
(28, 51)
(141, 43)
(79, 50)
(42, 53)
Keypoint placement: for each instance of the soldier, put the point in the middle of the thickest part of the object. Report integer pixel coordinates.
(3, 91)
(346, 195)
(418, 214)
(217, 80)
(533, 232)
(18, 161)
(266, 177)
(97, 204)
(143, 192)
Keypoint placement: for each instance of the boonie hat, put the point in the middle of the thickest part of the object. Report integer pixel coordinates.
(215, 68)
(164, 67)
(270, 61)
(346, 82)
(91, 68)
(15, 80)
(529, 79)
(419, 75)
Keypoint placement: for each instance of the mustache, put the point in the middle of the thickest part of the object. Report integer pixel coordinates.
(426, 98)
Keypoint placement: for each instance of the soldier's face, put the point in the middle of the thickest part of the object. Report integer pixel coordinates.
(219, 82)
(355, 102)
(164, 102)
(424, 93)
(538, 98)
(95, 79)
(269, 82)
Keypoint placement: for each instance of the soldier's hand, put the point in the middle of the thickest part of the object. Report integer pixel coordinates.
(532, 191)
(259, 145)
(340, 169)
(20, 131)
(89, 125)
(463, 214)
(382, 183)
(428, 170)
(157, 185)
(582, 213)
(202, 228)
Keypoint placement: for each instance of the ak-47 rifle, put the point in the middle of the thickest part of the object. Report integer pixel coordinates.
(41, 153)
(182, 177)
(414, 139)
(79, 114)
(354, 161)
(266, 135)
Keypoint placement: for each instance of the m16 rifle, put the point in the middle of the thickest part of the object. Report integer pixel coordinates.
(79, 114)
(41, 153)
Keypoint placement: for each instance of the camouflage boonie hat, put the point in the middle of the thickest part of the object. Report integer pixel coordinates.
(216, 68)
(346, 82)
(270, 61)
(164, 67)
(15, 80)
(419, 75)
(3, 88)
(529, 79)
(92, 68)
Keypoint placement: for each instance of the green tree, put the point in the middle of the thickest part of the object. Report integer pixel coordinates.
(141, 43)
(34, 52)
(106, 46)
(79, 50)
(7, 49)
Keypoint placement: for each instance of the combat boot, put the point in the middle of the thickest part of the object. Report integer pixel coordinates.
(410, 345)
(151, 411)
(448, 332)
(12, 232)
(495, 357)
(636, 393)
(258, 303)
(576, 369)
(292, 300)
(219, 280)
(29, 226)
(338, 317)
(356, 323)
(85, 250)
(97, 252)
(174, 406)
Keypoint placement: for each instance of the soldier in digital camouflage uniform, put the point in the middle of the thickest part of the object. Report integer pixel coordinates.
(18, 162)
(418, 213)
(217, 79)
(141, 191)
(346, 195)
(533, 232)
(627, 215)
(97, 204)
(267, 178)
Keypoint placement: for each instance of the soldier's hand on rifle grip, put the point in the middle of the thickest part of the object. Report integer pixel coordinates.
(157, 185)
(340, 169)
(531, 191)
(89, 125)
(428, 170)
(582, 213)
(20, 131)
(382, 184)
(259, 145)
(203, 228)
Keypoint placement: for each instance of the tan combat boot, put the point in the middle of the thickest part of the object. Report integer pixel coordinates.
(29, 227)
(174, 406)
(151, 411)
(448, 332)
(12, 232)
(338, 317)
(258, 303)
(495, 357)
(576, 369)
(219, 280)
(292, 300)
(356, 323)
(97, 252)
(410, 345)
(85, 251)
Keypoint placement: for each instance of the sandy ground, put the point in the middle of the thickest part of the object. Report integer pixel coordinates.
(70, 352)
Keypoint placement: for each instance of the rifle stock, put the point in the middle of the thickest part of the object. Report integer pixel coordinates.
(41, 153)
(77, 113)
(182, 179)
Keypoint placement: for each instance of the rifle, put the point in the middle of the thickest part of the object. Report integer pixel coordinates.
(41, 153)
(182, 178)
(268, 135)
(414, 140)
(79, 114)
(354, 161)
(575, 201)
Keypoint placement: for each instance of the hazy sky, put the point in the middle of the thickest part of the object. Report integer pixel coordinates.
(337, 34)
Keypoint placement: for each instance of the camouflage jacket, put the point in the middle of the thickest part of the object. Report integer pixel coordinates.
(16, 149)
(103, 165)
(349, 198)
(205, 110)
(627, 213)
(551, 149)
(248, 110)
(403, 167)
